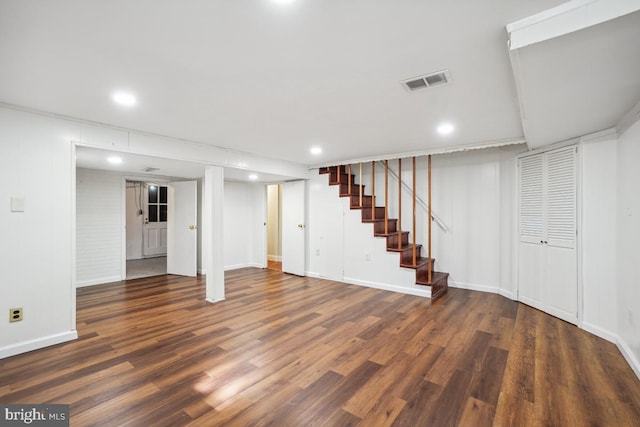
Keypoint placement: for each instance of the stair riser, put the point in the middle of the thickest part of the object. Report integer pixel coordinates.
(355, 201)
(379, 213)
(392, 241)
(379, 228)
(344, 190)
(406, 256)
(344, 178)
(422, 272)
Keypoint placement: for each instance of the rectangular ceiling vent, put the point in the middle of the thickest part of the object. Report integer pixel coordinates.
(150, 169)
(438, 78)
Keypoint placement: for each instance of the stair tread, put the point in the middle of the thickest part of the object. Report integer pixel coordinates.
(404, 247)
(436, 276)
(420, 262)
(391, 233)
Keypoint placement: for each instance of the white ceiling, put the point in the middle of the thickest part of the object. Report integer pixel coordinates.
(580, 83)
(274, 80)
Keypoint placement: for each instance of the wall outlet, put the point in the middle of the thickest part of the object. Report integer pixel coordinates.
(15, 314)
(367, 256)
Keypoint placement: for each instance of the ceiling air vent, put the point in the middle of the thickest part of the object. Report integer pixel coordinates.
(149, 170)
(429, 80)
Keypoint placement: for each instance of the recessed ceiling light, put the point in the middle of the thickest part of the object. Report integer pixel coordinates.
(125, 99)
(445, 129)
(316, 150)
(114, 160)
(253, 177)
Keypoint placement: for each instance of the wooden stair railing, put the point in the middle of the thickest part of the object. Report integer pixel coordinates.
(390, 228)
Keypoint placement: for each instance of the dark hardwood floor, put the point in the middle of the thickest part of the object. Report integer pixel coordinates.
(292, 351)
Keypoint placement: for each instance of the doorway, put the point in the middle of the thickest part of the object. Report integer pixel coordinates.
(146, 207)
(274, 227)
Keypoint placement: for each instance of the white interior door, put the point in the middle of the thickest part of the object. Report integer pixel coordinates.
(182, 235)
(154, 229)
(547, 258)
(293, 227)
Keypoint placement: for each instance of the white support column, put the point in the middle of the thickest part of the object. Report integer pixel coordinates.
(212, 236)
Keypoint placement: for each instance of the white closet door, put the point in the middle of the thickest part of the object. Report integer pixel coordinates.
(531, 226)
(547, 259)
(560, 242)
(293, 227)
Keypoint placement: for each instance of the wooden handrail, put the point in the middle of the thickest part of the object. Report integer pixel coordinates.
(414, 212)
(373, 190)
(399, 205)
(429, 267)
(349, 178)
(338, 172)
(386, 197)
(360, 181)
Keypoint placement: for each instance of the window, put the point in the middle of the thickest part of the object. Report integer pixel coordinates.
(157, 203)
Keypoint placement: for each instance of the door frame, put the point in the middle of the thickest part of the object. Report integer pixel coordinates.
(265, 251)
(577, 142)
(125, 178)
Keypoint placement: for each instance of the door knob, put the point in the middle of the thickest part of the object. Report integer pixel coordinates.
(192, 227)
(301, 226)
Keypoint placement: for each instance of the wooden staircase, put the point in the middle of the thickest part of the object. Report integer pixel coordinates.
(397, 240)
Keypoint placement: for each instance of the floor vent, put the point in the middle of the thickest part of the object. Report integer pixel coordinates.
(429, 80)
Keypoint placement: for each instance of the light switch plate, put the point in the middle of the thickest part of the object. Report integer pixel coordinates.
(17, 204)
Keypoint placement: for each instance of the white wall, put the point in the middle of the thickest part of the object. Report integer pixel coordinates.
(472, 193)
(508, 284)
(466, 194)
(241, 213)
(36, 245)
(628, 236)
(99, 227)
(325, 229)
(258, 202)
(598, 241)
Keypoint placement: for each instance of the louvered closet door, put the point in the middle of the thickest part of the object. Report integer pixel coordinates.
(547, 263)
(531, 251)
(560, 243)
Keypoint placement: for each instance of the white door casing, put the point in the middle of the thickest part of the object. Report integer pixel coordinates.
(294, 227)
(182, 235)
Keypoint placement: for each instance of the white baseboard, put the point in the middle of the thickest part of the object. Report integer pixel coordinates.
(507, 294)
(626, 351)
(35, 344)
(473, 287)
(386, 287)
(600, 332)
(213, 301)
(100, 281)
(235, 267)
(277, 258)
(256, 265)
(202, 271)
